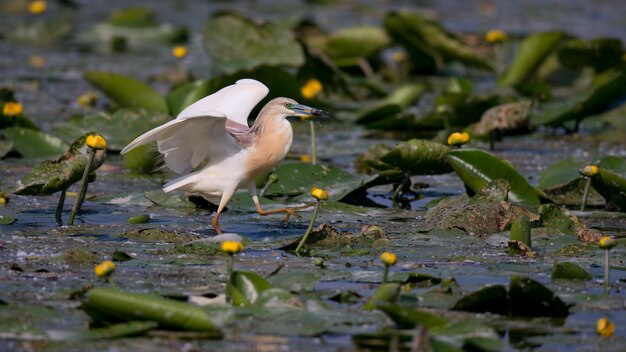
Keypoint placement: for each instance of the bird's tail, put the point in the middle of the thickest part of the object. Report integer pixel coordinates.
(181, 182)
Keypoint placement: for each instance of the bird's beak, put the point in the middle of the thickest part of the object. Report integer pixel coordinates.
(306, 112)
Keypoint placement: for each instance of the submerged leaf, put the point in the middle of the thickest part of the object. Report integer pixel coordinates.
(235, 43)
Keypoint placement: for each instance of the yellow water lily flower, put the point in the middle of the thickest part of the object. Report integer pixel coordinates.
(311, 88)
(320, 194)
(37, 7)
(495, 36)
(231, 247)
(87, 100)
(37, 61)
(96, 142)
(458, 138)
(179, 51)
(607, 242)
(605, 327)
(104, 269)
(4, 198)
(589, 170)
(12, 108)
(388, 258)
(305, 158)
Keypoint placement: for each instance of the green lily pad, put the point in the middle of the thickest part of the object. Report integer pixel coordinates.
(136, 306)
(41, 32)
(396, 102)
(611, 186)
(529, 298)
(493, 299)
(297, 179)
(235, 43)
(385, 293)
(35, 144)
(158, 235)
(477, 167)
(133, 17)
(131, 328)
(599, 53)
(408, 318)
(428, 44)
(119, 128)
(126, 91)
(563, 221)
(608, 87)
(6, 219)
(49, 177)
(504, 118)
(560, 174)
(467, 335)
(349, 44)
(187, 94)
(246, 287)
(419, 157)
(569, 271)
(532, 52)
(294, 281)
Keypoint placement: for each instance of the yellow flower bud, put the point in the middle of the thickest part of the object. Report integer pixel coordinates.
(231, 247)
(305, 158)
(605, 327)
(37, 7)
(96, 142)
(589, 170)
(319, 194)
(12, 108)
(388, 258)
(606, 242)
(495, 36)
(457, 138)
(87, 99)
(311, 88)
(105, 269)
(179, 52)
(4, 198)
(37, 61)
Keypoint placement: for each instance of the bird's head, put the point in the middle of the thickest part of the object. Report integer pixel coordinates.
(289, 107)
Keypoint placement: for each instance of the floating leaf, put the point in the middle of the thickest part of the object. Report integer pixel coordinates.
(235, 43)
(126, 91)
(133, 17)
(49, 177)
(532, 52)
(600, 53)
(34, 144)
(563, 221)
(428, 44)
(608, 87)
(347, 45)
(136, 306)
(569, 271)
(118, 128)
(560, 174)
(477, 167)
(393, 104)
(419, 157)
(295, 281)
(492, 299)
(119, 256)
(187, 94)
(158, 235)
(6, 219)
(41, 32)
(132, 328)
(407, 318)
(385, 293)
(246, 287)
(504, 118)
(532, 299)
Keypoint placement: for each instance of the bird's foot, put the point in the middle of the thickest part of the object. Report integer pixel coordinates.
(292, 211)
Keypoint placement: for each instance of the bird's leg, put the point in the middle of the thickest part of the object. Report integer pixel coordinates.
(288, 210)
(225, 198)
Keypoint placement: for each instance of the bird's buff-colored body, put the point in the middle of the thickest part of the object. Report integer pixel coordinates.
(212, 137)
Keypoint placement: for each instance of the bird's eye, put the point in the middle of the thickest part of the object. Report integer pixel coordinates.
(286, 105)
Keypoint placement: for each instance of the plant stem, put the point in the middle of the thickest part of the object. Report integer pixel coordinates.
(386, 274)
(266, 187)
(83, 188)
(606, 272)
(313, 144)
(308, 230)
(229, 271)
(585, 194)
(57, 214)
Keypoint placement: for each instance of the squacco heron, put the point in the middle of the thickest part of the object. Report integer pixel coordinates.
(211, 145)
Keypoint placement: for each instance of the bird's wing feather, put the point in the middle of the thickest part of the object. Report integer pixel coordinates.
(201, 131)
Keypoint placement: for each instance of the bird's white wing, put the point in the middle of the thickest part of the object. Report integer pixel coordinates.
(200, 131)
